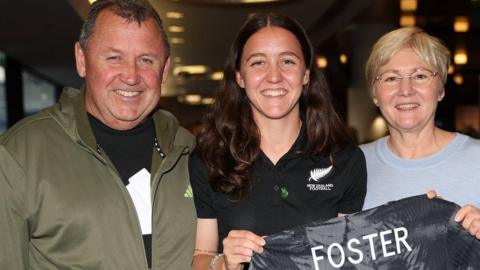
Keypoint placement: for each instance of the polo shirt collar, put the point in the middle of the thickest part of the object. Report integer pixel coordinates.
(300, 144)
(298, 147)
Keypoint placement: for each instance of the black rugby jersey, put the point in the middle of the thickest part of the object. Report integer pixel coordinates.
(412, 233)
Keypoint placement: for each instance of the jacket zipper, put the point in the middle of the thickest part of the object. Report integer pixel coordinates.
(174, 158)
(97, 154)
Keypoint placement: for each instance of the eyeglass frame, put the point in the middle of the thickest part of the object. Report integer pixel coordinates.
(379, 77)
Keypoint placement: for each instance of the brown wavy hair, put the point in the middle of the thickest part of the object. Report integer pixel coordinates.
(230, 141)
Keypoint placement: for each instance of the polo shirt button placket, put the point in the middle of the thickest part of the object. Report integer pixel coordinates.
(277, 189)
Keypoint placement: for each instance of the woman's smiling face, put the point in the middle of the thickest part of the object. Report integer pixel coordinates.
(409, 106)
(273, 73)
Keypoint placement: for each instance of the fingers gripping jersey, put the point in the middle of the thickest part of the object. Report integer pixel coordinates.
(413, 233)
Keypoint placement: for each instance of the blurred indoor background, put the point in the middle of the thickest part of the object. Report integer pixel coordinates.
(37, 60)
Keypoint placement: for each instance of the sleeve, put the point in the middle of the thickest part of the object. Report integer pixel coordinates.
(13, 222)
(202, 193)
(354, 195)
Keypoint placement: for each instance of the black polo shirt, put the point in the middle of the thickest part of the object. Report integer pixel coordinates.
(299, 189)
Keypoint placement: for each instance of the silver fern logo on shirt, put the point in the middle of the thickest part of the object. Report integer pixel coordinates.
(316, 175)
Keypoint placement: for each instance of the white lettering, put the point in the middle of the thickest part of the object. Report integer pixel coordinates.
(354, 250)
(321, 187)
(355, 254)
(385, 243)
(342, 255)
(372, 248)
(315, 257)
(403, 239)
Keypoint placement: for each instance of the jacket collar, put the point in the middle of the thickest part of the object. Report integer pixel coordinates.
(73, 118)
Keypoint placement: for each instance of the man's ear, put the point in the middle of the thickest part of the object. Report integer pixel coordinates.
(80, 60)
(166, 67)
(239, 79)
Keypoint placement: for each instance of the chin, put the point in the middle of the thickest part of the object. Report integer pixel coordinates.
(127, 118)
(276, 116)
(408, 128)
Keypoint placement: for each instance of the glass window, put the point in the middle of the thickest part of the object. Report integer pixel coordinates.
(3, 107)
(37, 93)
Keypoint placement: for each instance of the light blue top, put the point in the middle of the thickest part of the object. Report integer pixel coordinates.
(453, 172)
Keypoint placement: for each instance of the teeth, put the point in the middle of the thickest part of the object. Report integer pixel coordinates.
(274, 92)
(127, 93)
(407, 106)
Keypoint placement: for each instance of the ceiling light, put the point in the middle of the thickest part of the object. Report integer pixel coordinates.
(2, 74)
(91, 1)
(343, 58)
(208, 100)
(232, 2)
(177, 40)
(257, 1)
(408, 5)
(379, 127)
(190, 70)
(461, 24)
(195, 99)
(458, 79)
(217, 75)
(174, 15)
(451, 69)
(407, 20)
(322, 61)
(190, 99)
(176, 29)
(460, 57)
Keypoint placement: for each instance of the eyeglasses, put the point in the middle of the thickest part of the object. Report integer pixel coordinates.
(419, 78)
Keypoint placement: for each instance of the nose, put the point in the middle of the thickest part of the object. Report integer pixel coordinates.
(130, 74)
(274, 74)
(405, 87)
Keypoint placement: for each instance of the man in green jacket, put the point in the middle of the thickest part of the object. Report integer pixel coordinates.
(100, 180)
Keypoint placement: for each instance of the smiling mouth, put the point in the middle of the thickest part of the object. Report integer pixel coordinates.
(407, 106)
(124, 93)
(274, 92)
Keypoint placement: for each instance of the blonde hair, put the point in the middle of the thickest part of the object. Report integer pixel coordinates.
(431, 50)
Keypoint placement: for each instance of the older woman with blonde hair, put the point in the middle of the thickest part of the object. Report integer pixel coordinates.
(406, 72)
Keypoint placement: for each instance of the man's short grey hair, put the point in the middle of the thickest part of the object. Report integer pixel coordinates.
(131, 10)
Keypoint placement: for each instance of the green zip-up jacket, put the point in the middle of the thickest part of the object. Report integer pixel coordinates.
(64, 206)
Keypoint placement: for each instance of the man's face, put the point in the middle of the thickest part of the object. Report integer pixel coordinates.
(124, 65)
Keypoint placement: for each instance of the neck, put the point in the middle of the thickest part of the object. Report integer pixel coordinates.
(416, 145)
(277, 136)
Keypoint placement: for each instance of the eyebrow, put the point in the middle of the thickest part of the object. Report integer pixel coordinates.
(147, 54)
(287, 53)
(397, 71)
(112, 49)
